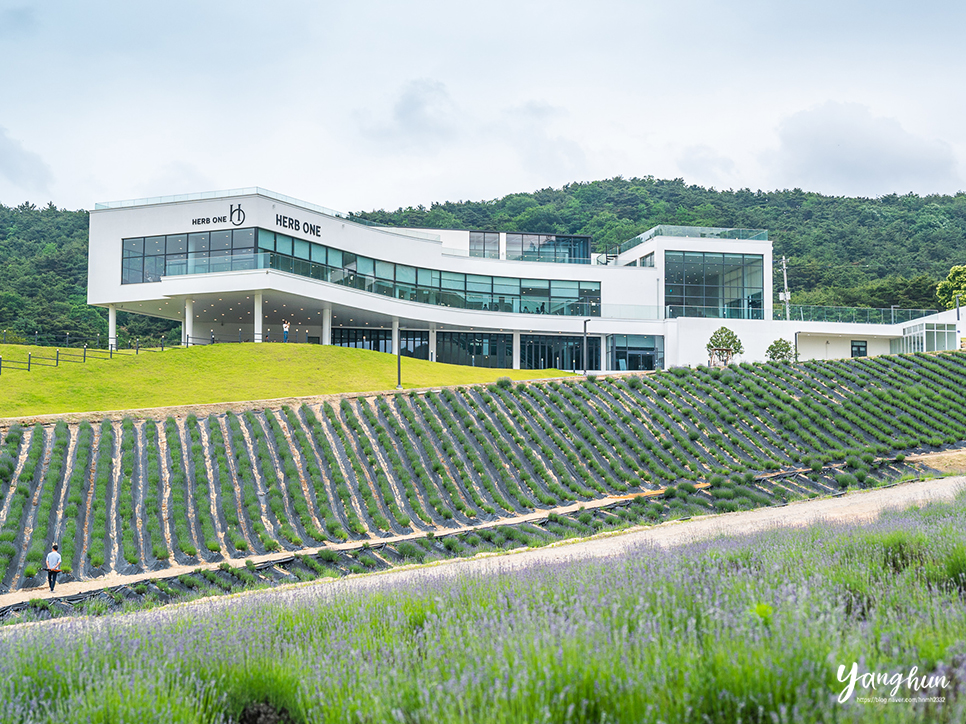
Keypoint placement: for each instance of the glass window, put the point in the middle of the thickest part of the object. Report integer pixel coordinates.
(405, 274)
(242, 238)
(153, 245)
(266, 240)
(132, 247)
(476, 243)
(477, 283)
(427, 278)
(564, 289)
(506, 285)
(859, 348)
(220, 240)
(318, 253)
(453, 280)
(153, 268)
(365, 265)
(301, 249)
(177, 244)
(283, 244)
(131, 270)
(335, 258)
(514, 246)
(385, 270)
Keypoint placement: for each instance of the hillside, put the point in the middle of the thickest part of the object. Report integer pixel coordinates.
(214, 373)
(842, 251)
(136, 495)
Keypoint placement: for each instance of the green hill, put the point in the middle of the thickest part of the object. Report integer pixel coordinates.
(215, 373)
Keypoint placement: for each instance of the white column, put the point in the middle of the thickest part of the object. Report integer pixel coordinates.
(432, 343)
(327, 325)
(395, 335)
(516, 350)
(111, 325)
(189, 321)
(257, 337)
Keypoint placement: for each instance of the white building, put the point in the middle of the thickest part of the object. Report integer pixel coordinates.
(238, 265)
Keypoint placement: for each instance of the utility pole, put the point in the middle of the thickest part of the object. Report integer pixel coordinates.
(785, 295)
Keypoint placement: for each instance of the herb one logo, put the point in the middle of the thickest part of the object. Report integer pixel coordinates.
(237, 215)
(874, 681)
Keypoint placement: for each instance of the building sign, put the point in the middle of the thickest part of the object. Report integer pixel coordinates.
(287, 222)
(235, 214)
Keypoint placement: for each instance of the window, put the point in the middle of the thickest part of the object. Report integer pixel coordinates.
(860, 348)
(219, 251)
(485, 244)
(707, 284)
(545, 351)
(635, 352)
(548, 248)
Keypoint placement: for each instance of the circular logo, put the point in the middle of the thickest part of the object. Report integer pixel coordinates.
(237, 216)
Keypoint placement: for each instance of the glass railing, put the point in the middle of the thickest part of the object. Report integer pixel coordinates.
(459, 299)
(674, 311)
(630, 311)
(860, 315)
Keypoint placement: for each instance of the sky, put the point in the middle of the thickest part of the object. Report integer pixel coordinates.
(368, 104)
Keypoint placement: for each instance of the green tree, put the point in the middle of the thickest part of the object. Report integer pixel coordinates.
(723, 345)
(953, 284)
(780, 351)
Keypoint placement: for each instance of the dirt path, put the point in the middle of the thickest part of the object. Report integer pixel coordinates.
(859, 506)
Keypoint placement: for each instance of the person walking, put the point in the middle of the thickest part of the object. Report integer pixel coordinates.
(285, 330)
(53, 566)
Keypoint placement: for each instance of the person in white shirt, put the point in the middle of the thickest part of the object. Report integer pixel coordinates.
(53, 567)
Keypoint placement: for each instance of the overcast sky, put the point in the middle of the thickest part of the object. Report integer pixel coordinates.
(365, 104)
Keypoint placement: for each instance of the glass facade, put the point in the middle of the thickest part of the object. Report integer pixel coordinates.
(543, 351)
(413, 343)
(147, 259)
(706, 284)
(926, 337)
(485, 244)
(635, 352)
(547, 247)
(476, 349)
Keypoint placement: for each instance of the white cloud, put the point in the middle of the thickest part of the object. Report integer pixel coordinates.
(423, 117)
(842, 148)
(527, 129)
(21, 167)
(704, 165)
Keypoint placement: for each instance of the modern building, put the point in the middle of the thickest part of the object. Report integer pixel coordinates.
(242, 265)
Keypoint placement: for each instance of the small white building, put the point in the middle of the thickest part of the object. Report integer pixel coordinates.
(240, 265)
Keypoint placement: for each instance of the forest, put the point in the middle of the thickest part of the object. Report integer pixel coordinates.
(841, 251)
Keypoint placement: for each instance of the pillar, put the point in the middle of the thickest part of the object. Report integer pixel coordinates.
(111, 325)
(257, 336)
(516, 350)
(189, 321)
(432, 343)
(327, 325)
(395, 335)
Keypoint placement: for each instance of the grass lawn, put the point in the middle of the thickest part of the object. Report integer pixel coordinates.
(219, 373)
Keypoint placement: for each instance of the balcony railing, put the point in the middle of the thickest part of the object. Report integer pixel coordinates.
(854, 315)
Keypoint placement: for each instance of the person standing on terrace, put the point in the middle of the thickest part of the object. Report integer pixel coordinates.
(53, 566)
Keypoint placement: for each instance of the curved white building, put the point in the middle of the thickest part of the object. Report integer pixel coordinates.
(238, 265)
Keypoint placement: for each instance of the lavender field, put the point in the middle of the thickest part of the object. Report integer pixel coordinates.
(736, 630)
(130, 496)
